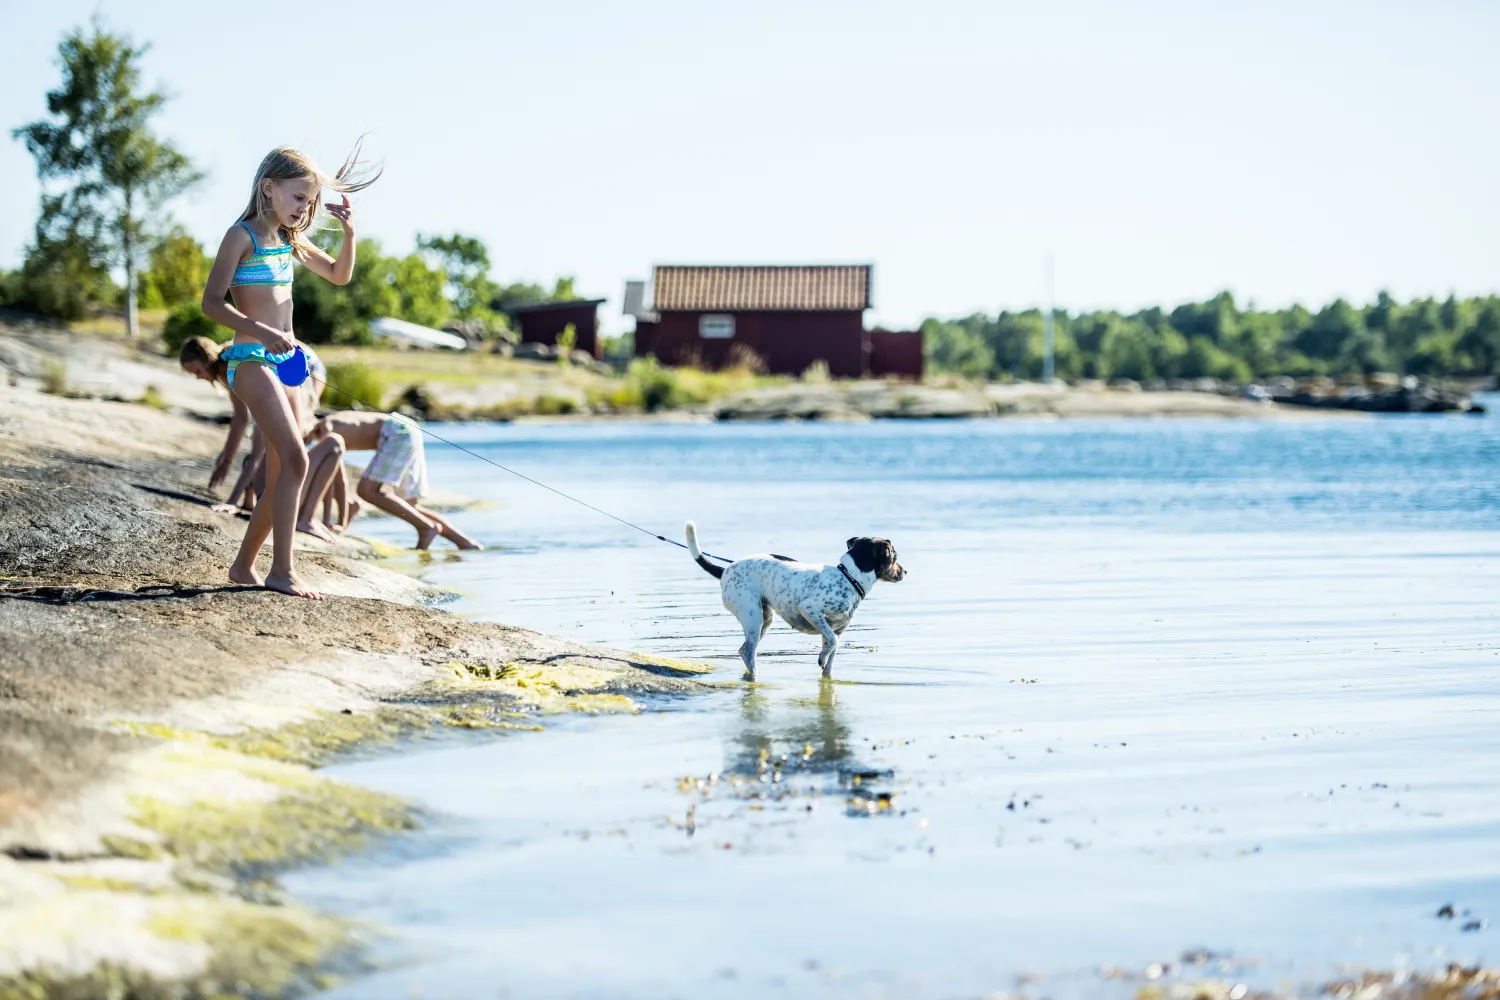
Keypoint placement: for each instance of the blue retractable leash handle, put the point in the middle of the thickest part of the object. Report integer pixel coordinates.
(291, 368)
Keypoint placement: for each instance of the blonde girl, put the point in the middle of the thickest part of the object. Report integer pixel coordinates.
(254, 270)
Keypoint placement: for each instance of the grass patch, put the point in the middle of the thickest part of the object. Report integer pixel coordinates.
(152, 398)
(650, 387)
(354, 385)
(55, 378)
(543, 388)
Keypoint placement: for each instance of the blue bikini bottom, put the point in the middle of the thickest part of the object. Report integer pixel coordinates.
(291, 367)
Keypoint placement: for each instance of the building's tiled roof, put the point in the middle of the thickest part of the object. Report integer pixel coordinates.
(814, 287)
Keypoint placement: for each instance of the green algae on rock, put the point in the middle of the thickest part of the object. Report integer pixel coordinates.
(177, 945)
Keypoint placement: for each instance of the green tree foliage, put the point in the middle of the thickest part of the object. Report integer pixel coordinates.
(421, 292)
(396, 287)
(958, 347)
(507, 297)
(465, 261)
(178, 271)
(106, 176)
(64, 274)
(1216, 338)
(187, 320)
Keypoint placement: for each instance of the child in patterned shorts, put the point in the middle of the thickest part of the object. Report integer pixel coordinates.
(397, 476)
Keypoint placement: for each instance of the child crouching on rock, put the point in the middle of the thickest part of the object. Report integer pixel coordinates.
(397, 476)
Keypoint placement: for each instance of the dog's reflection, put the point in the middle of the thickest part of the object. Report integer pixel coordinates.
(791, 754)
(810, 731)
(801, 747)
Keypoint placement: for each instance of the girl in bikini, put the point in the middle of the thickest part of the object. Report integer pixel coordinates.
(254, 269)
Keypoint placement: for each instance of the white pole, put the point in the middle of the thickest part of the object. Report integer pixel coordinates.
(1047, 326)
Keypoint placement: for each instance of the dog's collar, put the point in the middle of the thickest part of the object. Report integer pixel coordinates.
(852, 582)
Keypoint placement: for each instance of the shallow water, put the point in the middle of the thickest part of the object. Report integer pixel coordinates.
(1150, 688)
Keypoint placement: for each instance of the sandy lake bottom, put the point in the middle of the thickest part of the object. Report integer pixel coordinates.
(1216, 697)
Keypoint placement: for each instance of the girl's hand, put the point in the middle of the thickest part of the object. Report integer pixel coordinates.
(343, 212)
(221, 470)
(275, 341)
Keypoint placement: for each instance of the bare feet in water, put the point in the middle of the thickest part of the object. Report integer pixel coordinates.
(426, 536)
(462, 540)
(245, 577)
(315, 529)
(287, 583)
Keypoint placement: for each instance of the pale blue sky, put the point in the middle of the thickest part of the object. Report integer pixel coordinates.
(1162, 151)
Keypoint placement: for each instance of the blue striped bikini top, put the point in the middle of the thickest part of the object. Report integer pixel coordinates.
(268, 266)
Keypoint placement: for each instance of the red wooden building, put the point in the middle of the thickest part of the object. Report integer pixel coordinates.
(542, 322)
(787, 316)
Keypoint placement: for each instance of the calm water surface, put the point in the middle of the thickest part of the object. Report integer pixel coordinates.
(1151, 688)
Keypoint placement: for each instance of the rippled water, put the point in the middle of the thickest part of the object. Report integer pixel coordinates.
(1150, 688)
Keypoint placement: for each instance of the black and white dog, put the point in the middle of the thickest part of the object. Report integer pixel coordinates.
(811, 598)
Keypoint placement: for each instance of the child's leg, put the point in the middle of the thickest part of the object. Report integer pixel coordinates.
(346, 505)
(330, 498)
(386, 500)
(257, 464)
(447, 530)
(349, 507)
(258, 388)
(324, 461)
(242, 495)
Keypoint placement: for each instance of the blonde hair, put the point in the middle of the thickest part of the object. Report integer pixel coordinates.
(284, 164)
(206, 353)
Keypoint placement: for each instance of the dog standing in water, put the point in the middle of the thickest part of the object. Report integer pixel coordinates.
(811, 598)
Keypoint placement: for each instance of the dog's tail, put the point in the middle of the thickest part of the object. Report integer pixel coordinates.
(698, 556)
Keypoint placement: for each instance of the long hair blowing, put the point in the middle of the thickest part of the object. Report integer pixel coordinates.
(285, 163)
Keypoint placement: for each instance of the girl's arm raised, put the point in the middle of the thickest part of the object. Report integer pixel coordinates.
(337, 270)
(217, 308)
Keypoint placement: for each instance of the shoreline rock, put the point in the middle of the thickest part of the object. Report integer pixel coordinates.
(161, 729)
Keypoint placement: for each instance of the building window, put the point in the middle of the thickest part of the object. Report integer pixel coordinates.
(716, 327)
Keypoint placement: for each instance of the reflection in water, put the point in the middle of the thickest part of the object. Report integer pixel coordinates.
(799, 748)
(814, 734)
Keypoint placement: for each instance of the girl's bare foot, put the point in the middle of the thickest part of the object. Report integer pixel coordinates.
(315, 529)
(426, 536)
(288, 583)
(337, 529)
(354, 508)
(245, 577)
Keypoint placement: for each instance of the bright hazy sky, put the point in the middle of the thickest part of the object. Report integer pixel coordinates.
(1286, 151)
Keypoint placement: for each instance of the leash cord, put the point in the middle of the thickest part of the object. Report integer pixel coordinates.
(521, 475)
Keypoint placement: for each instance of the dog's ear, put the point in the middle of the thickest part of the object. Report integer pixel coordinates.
(864, 552)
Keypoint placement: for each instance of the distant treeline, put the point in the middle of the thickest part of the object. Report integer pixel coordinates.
(1455, 337)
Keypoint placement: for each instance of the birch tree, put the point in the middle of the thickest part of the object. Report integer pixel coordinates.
(104, 172)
